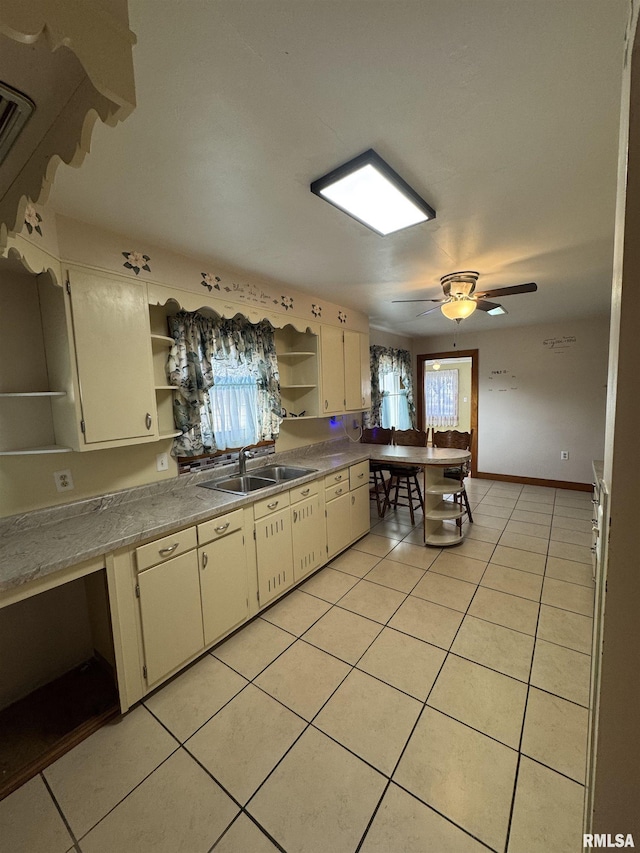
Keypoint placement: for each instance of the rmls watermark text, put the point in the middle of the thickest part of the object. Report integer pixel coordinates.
(608, 840)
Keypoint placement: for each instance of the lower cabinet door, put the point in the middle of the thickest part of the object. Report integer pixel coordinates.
(274, 554)
(224, 585)
(171, 614)
(309, 549)
(360, 517)
(338, 524)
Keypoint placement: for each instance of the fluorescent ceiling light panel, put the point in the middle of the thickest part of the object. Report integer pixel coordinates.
(367, 189)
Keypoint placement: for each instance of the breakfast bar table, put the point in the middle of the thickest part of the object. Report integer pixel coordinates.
(440, 515)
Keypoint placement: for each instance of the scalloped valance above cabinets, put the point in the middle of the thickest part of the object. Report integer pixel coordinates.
(62, 67)
(184, 300)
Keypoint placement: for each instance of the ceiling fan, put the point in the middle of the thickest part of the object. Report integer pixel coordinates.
(460, 299)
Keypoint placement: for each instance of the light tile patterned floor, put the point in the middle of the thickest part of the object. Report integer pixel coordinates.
(402, 700)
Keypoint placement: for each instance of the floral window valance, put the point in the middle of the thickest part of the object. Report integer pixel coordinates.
(208, 350)
(384, 361)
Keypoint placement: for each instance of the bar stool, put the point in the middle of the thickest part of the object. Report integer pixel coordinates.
(378, 488)
(405, 477)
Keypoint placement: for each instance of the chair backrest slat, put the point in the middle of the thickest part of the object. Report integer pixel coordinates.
(410, 437)
(377, 435)
(452, 438)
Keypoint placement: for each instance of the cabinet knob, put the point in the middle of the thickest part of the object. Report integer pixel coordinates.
(164, 552)
(205, 560)
(148, 420)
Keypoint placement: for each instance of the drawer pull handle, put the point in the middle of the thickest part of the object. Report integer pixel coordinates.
(148, 420)
(222, 528)
(305, 492)
(164, 552)
(353, 499)
(273, 504)
(295, 516)
(338, 477)
(205, 560)
(360, 476)
(339, 491)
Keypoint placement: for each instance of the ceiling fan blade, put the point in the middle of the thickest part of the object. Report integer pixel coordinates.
(418, 300)
(529, 287)
(429, 310)
(485, 305)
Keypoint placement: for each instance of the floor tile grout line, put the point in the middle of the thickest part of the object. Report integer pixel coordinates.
(60, 811)
(135, 787)
(255, 822)
(444, 816)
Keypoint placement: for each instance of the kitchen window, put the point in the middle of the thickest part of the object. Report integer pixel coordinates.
(391, 389)
(227, 383)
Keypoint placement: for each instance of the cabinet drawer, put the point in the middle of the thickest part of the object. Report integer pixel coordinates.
(162, 549)
(336, 491)
(341, 476)
(221, 526)
(302, 492)
(359, 474)
(267, 505)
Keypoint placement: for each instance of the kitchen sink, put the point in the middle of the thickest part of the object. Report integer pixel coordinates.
(282, 472)
(259, 478)
(240, 485)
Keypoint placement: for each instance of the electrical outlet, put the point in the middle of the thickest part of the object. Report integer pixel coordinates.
(162, 462)
(564, 454)
(63, 480)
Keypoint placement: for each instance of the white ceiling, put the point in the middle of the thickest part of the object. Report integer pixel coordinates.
(502, 114)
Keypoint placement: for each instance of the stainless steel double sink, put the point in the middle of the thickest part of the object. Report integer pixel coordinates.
(259, 478)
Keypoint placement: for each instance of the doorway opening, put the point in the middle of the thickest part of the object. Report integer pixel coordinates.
(463, 414)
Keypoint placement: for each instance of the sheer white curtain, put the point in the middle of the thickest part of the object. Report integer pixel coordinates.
(395, 408)
(441, 398)
(233, 412)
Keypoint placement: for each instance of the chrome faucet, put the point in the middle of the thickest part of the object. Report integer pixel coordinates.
(242, 460)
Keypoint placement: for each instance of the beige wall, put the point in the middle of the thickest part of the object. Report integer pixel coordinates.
(542, 389)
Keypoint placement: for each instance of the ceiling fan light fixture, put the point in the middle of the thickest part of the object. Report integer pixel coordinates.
(459, 308)
(367, 189)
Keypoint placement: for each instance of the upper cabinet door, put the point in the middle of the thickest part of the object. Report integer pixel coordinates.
(332, 370)
(352, 376)
(365, 370)
(110, 320)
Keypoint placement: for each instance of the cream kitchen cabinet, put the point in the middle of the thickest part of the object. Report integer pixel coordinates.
(308, 530)
(98, 346)
(274, 546)
(224, 583)
(168, 588)
(343, 381)
(359, 499)
(347, 506)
